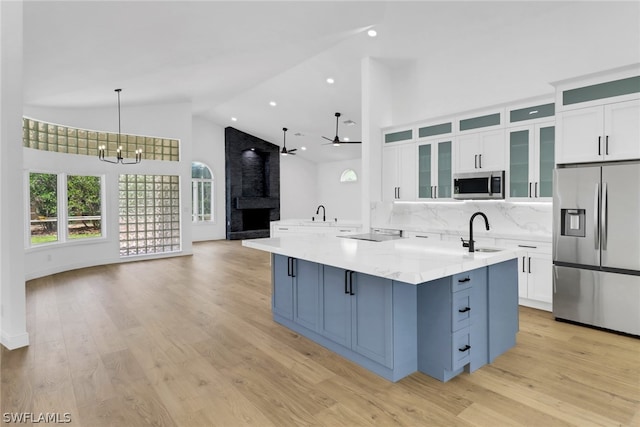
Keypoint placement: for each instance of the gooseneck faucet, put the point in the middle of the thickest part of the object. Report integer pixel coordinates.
(323, 212)
(486, 222)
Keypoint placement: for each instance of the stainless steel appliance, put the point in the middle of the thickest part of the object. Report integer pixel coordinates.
(479, 185)
(596, 245)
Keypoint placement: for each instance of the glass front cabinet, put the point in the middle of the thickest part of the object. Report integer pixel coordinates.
(434, 169)
(531, 161)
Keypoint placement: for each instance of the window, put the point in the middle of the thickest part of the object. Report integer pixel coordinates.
(201, 192)
(84, 203)
(75, 200)
(43, 202)
(348, 175)
(45, 136)
(149, 214)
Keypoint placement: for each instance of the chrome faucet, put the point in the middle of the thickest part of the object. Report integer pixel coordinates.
(323, 212)
(486, 222)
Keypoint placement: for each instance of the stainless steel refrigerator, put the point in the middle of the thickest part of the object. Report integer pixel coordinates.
(596, 245)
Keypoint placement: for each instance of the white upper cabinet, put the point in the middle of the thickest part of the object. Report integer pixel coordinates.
(481, 142)
(481, 151)
(399, 172)
(599, 120)
(605, 132)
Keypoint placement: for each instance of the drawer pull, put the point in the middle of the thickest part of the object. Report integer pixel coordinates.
(465, 348)
(466, 279)
(464, 310)
(527, 246)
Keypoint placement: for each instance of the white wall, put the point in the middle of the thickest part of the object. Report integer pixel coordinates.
(298, 187)
(208, 148)
(13, 330)
(341, 200)
(168, 120)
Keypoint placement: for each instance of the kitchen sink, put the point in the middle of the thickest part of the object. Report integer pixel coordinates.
(488, 250)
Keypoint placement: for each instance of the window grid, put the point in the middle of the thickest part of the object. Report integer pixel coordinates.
(45, 136)
(149, 214)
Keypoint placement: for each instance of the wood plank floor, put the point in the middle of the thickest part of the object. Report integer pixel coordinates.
(189, 341)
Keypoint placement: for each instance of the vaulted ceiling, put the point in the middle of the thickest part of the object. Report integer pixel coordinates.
(232, 58)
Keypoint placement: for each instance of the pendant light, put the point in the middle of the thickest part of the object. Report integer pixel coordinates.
(284, 150)
(119, 158)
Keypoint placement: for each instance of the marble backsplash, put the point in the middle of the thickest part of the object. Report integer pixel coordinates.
(507, 219)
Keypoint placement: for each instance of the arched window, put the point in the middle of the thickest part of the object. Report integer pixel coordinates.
(201, 192)
(348, 175)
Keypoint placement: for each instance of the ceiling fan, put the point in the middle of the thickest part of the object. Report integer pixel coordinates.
(284, 150)
(336, 140)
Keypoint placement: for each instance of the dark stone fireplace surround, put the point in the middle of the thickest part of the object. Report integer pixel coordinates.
(252, 173)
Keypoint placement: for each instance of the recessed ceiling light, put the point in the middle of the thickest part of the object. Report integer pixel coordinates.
(346, 139)
(253, 149)
(234, 119)
(303, 148)
(372, 33)
(349, 122)
(330, 81)
(273, 103)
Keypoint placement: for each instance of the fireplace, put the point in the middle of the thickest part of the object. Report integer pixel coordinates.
(252, 184)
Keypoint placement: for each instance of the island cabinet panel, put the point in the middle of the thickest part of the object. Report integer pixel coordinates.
(295, 290)
(357, 313)
(372, 318)
(335, 302)
(282, 297)
(502, 307)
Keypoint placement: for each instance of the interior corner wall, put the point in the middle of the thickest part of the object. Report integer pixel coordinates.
(342, 200)
(13, 317)
(162, 120)
(298, 188)
(208, 148)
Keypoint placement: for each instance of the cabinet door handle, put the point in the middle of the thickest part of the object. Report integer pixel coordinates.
(466, 279)
(290, 271)
(536, 187)
(475, 162)
(464, 310)
(465, 348)
(479, 161)
(351, 283)
(435, 191)
(606, 145)
(599, 145)
(398, 192)
(523, 264)
(529, 189)
(529, 265)
(346, 287)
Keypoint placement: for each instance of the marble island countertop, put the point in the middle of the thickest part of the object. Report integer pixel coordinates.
(330, 222)
(410, 260)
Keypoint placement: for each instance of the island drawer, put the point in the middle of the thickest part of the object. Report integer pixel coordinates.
(461, 309)
(461, 348)
(466, 279)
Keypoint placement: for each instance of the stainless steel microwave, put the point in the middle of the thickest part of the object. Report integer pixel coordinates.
(479, 185)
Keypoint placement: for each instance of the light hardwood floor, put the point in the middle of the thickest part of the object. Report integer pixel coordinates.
(189, 341)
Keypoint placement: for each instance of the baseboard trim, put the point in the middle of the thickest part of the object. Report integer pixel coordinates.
(13, 342)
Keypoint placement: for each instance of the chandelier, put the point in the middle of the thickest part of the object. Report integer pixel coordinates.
(102, 153)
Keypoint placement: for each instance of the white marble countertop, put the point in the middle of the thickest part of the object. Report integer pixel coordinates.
(410, 260)
(317, 223)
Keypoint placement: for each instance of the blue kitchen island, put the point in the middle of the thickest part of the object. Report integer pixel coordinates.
(399, 306)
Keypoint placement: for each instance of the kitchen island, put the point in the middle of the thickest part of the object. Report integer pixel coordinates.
(398, 306)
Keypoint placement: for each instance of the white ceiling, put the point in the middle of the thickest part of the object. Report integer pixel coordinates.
(230, 58)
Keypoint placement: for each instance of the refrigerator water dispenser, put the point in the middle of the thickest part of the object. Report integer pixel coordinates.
(572, 222)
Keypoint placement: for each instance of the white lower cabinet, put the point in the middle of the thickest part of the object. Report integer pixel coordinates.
(535, 269)
(328, 229)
